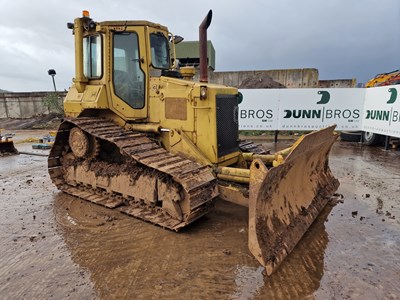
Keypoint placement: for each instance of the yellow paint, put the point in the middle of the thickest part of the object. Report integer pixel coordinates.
(234, 172)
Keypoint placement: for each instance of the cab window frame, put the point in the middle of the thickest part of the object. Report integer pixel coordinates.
(153, 54)
(141, 74)
(89, 58)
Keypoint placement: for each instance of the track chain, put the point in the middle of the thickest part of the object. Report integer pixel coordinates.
(197, 181)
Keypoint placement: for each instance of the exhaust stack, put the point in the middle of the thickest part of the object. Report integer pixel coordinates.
(203, 46)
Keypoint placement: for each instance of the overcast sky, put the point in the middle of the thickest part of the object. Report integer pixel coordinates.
(341, 38)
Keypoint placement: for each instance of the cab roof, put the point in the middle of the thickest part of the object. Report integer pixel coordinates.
(133, 23)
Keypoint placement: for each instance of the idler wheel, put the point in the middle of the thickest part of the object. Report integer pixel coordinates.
(79, 142)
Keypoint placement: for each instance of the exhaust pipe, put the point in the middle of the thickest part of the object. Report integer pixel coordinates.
(203, 46)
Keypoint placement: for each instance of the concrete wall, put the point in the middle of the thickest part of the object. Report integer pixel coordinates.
(23, 105)
(291, 78)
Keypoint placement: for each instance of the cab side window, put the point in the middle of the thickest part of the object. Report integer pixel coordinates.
(92, 56)
(159, 51)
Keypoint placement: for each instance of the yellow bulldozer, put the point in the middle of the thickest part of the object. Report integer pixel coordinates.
(140, 136)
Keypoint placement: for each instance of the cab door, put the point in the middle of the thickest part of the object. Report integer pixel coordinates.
(129, 73)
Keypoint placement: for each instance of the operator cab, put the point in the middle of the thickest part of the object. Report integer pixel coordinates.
(131, 50)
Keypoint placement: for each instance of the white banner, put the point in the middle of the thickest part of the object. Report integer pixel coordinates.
(310, 109)
(382, 110)
(301, 109)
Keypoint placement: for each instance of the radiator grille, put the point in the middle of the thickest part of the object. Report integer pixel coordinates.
(227, 124)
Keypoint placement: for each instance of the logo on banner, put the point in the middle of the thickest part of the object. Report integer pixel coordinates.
(322, 113)
(388, 115)
(325, 96)
(393, 95)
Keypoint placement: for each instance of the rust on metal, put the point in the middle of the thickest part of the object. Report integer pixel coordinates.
(203, 47)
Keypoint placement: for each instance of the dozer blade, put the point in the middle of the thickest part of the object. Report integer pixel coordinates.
(7, 147)
(285, 200)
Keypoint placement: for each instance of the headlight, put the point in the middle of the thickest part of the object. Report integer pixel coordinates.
(203, 93)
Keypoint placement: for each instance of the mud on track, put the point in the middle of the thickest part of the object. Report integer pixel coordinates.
(57, 246)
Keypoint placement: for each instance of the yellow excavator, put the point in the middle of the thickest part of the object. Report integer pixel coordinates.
(390, 78)
(140, 136)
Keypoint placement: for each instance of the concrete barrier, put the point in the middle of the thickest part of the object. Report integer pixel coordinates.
(24, 105)
(291, 78)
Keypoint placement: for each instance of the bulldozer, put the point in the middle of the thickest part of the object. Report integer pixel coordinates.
(140, 136)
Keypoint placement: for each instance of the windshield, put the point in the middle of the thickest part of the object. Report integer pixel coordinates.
(159, 51)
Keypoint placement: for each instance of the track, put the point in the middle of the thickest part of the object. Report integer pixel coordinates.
(180, 190)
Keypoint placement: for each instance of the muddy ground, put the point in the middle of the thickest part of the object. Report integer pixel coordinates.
(55, 246)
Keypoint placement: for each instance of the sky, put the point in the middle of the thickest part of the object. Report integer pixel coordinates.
(341, 38)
